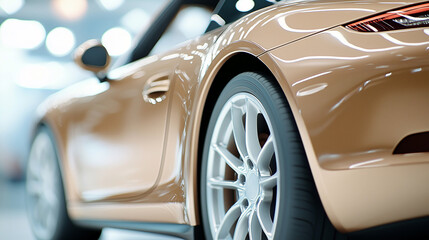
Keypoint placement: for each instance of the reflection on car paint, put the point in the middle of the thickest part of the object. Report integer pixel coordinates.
(332, 99)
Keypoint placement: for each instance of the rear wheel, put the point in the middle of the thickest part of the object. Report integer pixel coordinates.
(255, 178)
(46, 203)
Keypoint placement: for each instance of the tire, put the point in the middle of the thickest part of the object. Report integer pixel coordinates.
(245, 198)
(46, 204)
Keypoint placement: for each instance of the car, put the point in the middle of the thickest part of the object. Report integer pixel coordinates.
(284, 120)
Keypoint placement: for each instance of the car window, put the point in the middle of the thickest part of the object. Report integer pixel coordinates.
(191, 21)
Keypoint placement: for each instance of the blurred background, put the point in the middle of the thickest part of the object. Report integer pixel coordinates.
(37, 40)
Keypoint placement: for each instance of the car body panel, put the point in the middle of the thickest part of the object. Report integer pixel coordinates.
(288, 22)
(354, 120)
(148, 212)
(327, 128)
(352, 102)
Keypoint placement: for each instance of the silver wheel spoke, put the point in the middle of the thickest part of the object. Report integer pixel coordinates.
(266, 155)
(255, 229)
(44, 208)
(238, 130)
(38, 210)
(242, 227)
(269, 182)
(34, 167)
(51, 199)
(229, 219)
(219, 183)
(230, 159)
(263, 210)
(46, 216)
(252, 139)
(34, 186)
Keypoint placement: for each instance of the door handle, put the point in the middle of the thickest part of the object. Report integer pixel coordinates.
(155, 91)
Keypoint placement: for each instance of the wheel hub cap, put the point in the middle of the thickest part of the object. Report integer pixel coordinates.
(252, 186)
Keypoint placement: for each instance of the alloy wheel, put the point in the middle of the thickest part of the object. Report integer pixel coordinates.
(242, 175)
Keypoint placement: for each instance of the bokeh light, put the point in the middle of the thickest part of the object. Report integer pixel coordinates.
(24, 34)
(192, 21)
(70, 9)
(245, 5)
(41, 75)
(11, 6)
(60, 41)
(117, 41)
(111, 4)
(136, 20)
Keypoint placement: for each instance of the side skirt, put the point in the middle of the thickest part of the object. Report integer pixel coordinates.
(178, 230)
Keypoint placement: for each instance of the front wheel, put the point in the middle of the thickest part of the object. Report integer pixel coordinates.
(255, 178)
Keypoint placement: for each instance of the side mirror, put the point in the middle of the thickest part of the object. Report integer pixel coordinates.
(93, 56)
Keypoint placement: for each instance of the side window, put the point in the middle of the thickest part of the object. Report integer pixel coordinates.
(190, 22)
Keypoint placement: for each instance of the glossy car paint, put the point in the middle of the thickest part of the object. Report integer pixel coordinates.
(352, 95)
(355, 118)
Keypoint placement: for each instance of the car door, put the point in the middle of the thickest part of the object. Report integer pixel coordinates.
(116, 138)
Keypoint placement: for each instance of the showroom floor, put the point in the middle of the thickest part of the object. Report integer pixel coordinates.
(14, 224)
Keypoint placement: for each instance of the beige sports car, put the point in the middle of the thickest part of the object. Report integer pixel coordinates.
(284, 120)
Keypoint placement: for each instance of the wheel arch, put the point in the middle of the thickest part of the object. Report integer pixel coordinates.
(44, 123)
(54, 133)
(231, 67)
